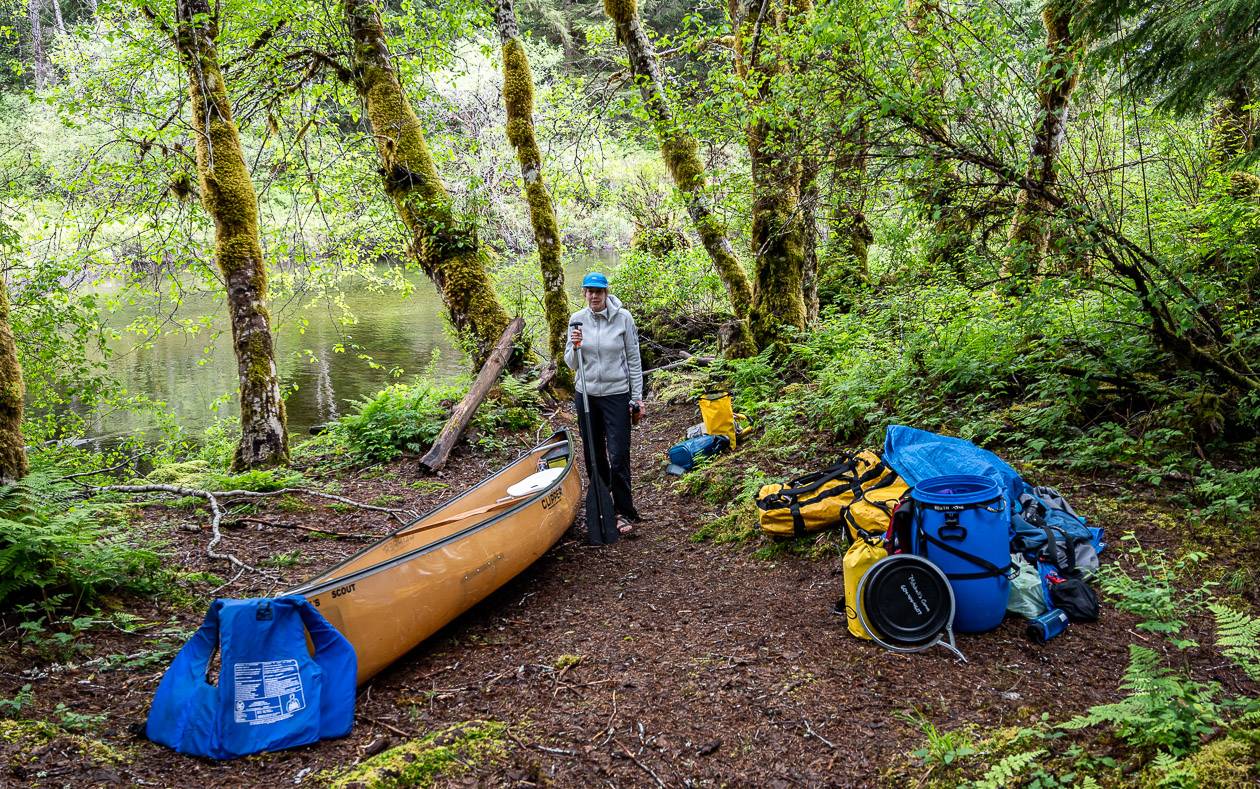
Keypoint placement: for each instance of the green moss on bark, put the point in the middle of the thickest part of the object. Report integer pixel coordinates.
(445, 246)
(518, 100)
(228, 195)
(681, 155)
(12, 393)
(1056, 81)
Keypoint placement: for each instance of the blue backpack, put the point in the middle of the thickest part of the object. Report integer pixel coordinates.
(682, 456)
(271, 692)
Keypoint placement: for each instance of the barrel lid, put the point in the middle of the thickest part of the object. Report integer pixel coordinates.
(956, 489)
(907, 600)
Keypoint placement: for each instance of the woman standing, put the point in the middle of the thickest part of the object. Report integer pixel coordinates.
(613, 376)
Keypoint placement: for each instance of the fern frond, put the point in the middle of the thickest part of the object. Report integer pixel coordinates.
(1004, 773)
(1238, 636)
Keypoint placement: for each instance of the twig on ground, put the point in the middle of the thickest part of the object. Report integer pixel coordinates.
(217, 512)
(216, 518)
(611, 717)
(312, 529)
(255, 494)
(543, 748)
(228, 583)
(641, 765)
(385, 725)
(809, 731)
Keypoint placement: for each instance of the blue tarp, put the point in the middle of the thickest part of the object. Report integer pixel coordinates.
(917, 455)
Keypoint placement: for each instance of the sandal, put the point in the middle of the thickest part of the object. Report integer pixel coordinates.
(624, 526)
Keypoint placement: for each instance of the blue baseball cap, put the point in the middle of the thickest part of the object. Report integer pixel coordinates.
(595, 280)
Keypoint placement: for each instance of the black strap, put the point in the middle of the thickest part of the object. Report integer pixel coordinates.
(860, 494)
(990, 570)
(798, 522)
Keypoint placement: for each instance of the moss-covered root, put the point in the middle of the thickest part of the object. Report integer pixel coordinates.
(682, 158)
(12, 392)
(1030, 229)
(444, 245)
(420, 763)
(518, 100)
(228, 195)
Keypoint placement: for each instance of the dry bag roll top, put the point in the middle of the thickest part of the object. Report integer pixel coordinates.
(859, 492)
(271, 691)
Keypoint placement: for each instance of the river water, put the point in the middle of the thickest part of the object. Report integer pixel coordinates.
(195, 378)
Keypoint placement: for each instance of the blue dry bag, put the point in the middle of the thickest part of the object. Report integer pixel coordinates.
(271, 692)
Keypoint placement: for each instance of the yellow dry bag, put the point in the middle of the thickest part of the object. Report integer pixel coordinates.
(719, 416)
(857, 560)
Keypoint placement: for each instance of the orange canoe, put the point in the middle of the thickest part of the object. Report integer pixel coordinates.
(400, 590)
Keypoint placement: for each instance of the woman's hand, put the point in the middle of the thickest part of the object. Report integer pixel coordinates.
(576, 336)
(637, 411)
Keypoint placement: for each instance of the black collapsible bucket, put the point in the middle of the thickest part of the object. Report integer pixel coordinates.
(905, 602)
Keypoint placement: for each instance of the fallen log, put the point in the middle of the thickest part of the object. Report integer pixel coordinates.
(687, 358)
(462, 414)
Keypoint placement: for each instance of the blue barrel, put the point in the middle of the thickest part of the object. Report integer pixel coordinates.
(963, 526)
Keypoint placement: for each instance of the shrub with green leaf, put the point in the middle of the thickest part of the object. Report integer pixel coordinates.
(400, 418)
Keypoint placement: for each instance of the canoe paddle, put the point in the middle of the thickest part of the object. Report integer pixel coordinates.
(601, 520)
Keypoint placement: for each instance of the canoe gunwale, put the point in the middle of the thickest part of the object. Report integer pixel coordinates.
(330, 579)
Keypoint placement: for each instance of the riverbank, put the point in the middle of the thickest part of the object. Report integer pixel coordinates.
(662, 660)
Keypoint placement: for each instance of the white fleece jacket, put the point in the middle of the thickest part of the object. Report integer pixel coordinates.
(610, 351)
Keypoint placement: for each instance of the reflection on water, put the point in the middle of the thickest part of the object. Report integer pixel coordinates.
(323, 363)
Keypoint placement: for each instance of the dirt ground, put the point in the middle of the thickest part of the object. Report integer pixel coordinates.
(696, 664)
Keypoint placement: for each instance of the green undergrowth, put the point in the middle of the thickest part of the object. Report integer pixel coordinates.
(202, 475)
(730, 482)
(1171, 724)
(62, 553)
(406, 418)
(419, 763)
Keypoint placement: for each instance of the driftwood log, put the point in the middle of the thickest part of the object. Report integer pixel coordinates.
(463, 412)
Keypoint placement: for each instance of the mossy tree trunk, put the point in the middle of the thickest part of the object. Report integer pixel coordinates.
(682, 158)
(12, 444)
(228, 195)
(445, 246)
(1056, 81)
(777, 229)
(518, 100)
(937, 185)
(1234, 125)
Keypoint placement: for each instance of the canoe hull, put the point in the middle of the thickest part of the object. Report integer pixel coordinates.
(396, 593)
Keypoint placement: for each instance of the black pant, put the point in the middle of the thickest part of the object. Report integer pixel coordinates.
(609, 444)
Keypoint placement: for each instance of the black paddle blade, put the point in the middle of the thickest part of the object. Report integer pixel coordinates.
(601, 520)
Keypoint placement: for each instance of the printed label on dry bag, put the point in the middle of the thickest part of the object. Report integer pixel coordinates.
(267, 691)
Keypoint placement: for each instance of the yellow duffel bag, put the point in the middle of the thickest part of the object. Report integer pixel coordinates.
(880, 489)
(859, 491)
